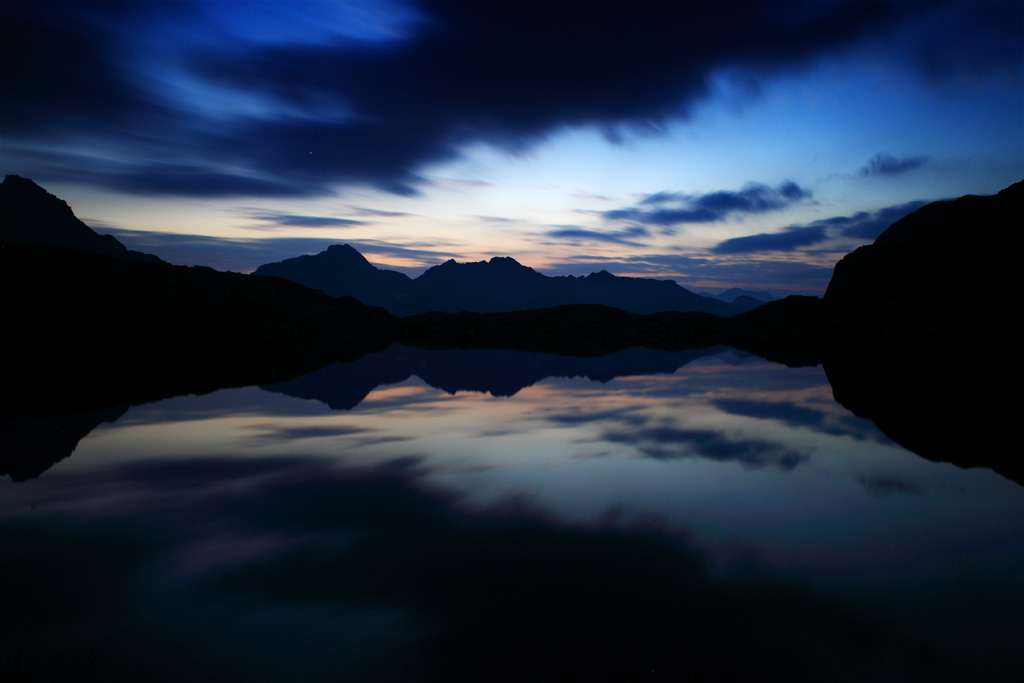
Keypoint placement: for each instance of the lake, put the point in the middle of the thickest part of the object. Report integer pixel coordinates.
(494, 515)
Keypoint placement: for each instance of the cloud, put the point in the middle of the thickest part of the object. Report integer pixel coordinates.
(189, 108)
(245, 255)
(789, 239)
(696, 272)
(666, 209)
(276, 219)
(888, 165)
(669, 443)
(627, 236)
(862, 226)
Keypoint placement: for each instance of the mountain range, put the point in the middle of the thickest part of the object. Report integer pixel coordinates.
(499, 285)
(910, 331)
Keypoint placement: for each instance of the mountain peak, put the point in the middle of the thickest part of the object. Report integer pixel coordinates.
(29, 215)
(348, 255)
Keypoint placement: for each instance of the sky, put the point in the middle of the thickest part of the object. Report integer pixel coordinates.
(716, 144)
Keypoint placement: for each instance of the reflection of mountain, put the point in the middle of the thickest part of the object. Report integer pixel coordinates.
(101, 331)
(342, 386)
(501, 284)
(946, 410)
(33, 445)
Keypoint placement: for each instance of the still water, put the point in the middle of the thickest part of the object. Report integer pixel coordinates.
(488, 515)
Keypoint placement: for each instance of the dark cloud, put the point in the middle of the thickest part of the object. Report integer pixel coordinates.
(888, 165)
(298, 221)
(669, 443)
(789, 239)
(784, 411)
(628, 236)
(144, 82)
(674, 208)
(685, 269)
(862, 226)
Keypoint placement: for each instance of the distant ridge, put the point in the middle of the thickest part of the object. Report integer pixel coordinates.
(31, 216)
(343, 271)
(496, 286)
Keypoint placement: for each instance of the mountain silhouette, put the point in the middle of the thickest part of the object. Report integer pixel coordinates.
(900, 331)
(731, 294)
(29, 215)
(934, 271)
(501, 284)
(343, 271)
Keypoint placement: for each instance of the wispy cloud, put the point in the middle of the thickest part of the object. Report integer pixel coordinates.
(629, 236)
(273, 220)
(888, 165)
(861, 226)
(667, 209)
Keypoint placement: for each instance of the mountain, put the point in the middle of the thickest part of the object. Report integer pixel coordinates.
(343, 271)
(934, 271)
(499, 285)
(747, 303)
(731, 294)
(29, 215)
(905, 332)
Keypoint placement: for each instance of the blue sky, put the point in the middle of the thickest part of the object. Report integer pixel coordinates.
(717, 144)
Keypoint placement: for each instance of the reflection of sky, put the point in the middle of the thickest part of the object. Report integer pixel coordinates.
(752, 452)
(246, 516)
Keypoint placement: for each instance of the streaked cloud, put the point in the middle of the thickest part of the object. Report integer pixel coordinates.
(667, 209)
(629, 236)
(862, 226)
(888, 165)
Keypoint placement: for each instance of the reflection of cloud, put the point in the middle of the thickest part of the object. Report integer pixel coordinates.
(275, 433)
(669, 443)
(579, 417)
(253, 565)
(884, 486)
(784, 411)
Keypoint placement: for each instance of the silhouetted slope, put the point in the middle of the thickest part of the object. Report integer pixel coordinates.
(32, 445)
(29, 215)
(107, 330)
(934, 272)
(499, 285)
(343, 271)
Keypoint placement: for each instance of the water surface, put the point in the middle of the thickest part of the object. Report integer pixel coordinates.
(488, 515)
